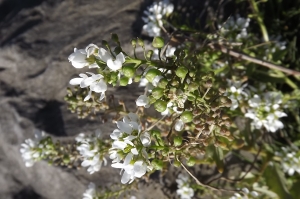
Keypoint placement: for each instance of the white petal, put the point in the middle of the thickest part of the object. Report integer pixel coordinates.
(120, 57)
(99, 86)
(104, 55)
(128, 158)
(88, 96)
(125, 178)
(76, 81)
(114, 65)
(134, 151)
(142, 100)
(139, 168)
(124, 127)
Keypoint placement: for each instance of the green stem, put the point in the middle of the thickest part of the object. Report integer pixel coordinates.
(260, 20)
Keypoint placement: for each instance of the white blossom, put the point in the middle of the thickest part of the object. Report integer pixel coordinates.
(31, 150)
(265, 111)
(78, 58)
(90, 193)
(95, 82)
(134, 163)
(144, 101)
(113, 64)
(154, 15)
(290, 162)
(179, 125)
(236, 93)
(89, 150)
(184, 190)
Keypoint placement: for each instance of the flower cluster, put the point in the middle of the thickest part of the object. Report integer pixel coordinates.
(90, 151)
(33, 150)
(236, 93)
(92, 56)
(290, 162)
(90, 193)
(154, 17)
(129, 146)
(184, 190)
(237, 25)
(265, 111)
(247, 194)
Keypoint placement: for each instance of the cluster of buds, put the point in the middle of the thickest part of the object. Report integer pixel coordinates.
(76, 103)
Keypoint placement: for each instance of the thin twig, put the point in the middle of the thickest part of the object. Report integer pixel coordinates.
(206, 185)
(254, 60)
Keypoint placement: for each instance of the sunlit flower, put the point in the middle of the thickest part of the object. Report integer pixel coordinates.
(95, 82)
(89, 150)
(143, 100)
(78, 58)
(184, 190)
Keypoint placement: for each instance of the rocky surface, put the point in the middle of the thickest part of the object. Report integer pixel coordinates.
(36, 37)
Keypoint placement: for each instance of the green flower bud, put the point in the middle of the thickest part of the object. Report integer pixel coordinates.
(193, 86)
(149, 54)
(160, 105)
(140, 42)
(151, 74)
(177, 140)
(66, 159)
(176, 163)
(191, 162)
(113, 77)
(181, 72)
(192, 73)
(157, 93)
(133, 43)
(155, 133)
(162, 83)
(117, 50)
(158, 42)
(151, 99)
(104, 43)
(124, 81)
(186, 116)
(115, 37)
(157, 164)
(128, 70)
(137, 78)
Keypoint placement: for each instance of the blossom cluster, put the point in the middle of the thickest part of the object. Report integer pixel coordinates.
(290, 162)
(91, 56)
(89, 148)
(237, 25)
(184, 190)
(246, 194)
(154, 17)
(91, 192)
(33, 149)
(236, 93)
(265, 111)
(129, 146)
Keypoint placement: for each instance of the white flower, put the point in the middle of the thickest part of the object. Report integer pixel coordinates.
(179, 125)
(90, 193)
(113, 64)
(266, 111)
(95, 82)
(290, 160)
(89, 150)
(28, 153)
(143, 100)
(145, 139)
(154, 16)
(78, 58)
(184, 190)
(31, 150)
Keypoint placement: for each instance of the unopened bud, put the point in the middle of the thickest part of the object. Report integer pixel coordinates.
(181, 72)
(128, 70)
(140, 42)
(160, 105)
(177, 141)
(151, 74)
(157, 164)
(124, 81)
(157, 92)
(186, 116)
(158, 42)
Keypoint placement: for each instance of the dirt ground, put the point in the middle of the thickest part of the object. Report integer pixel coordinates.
(36, 38)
